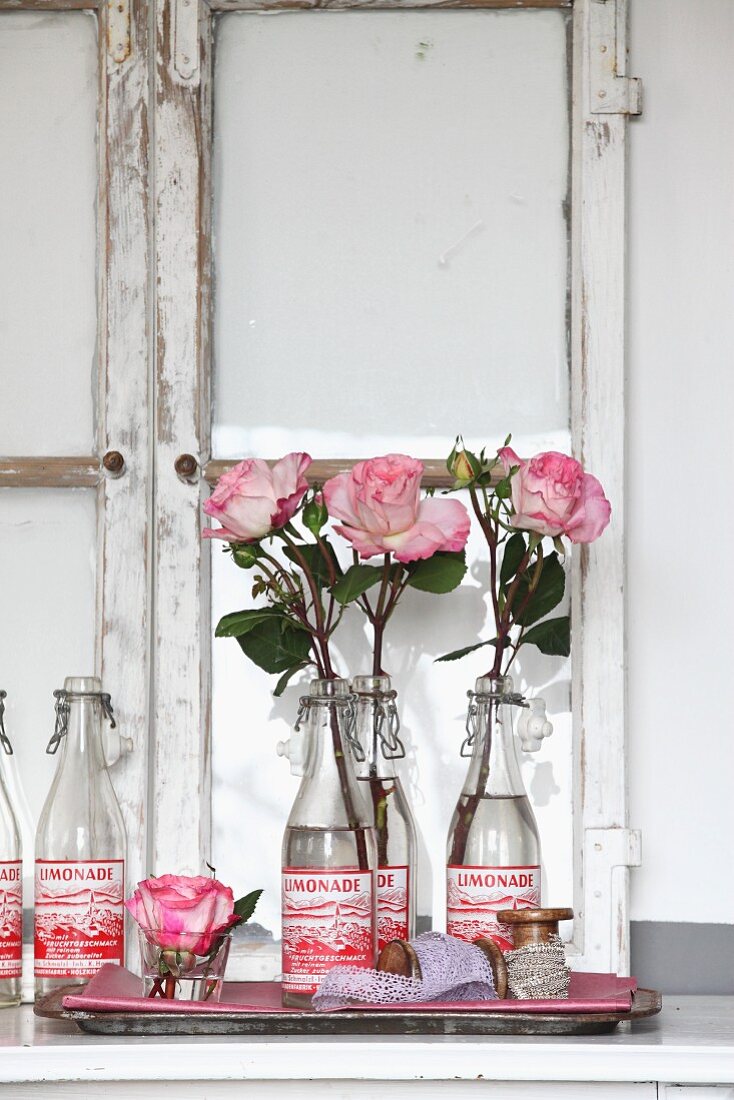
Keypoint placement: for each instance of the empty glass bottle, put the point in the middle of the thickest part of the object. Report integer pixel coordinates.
(11, 888)
(377, 731)
(80, 848)
(329, 855)
(493, 850)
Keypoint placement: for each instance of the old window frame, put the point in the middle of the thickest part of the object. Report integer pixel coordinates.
(120, 467)
(603, 96)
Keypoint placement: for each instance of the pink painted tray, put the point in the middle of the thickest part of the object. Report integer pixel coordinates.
(111, 1003)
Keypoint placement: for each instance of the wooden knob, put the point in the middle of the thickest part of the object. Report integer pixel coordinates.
(114, 463)
(186, 467)
(533, 925)
(398, 957)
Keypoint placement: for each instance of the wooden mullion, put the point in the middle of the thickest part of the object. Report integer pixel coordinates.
(386, 5)
(52, 472)
(180, 803)
(124, 402)
(436, 475)
(598, 573)
(49, 5)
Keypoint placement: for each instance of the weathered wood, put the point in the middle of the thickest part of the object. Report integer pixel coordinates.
(50, 473)
(180, 792)
(383, 5)
(49, 5)
(124, 401)
(436, 475)
(598, 428)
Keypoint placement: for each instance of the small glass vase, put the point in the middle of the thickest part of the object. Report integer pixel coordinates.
(184, 966)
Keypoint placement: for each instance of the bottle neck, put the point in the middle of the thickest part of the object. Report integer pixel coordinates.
(376, 731)
(329, 795)
(82, 741)
(493, 753)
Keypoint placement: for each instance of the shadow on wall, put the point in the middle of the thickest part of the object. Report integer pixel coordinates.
(683, 958)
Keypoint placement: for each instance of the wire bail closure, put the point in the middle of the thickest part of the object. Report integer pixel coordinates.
(61, 707)
(477, 699)
(349, 704)
(386, 725)
(4, 739)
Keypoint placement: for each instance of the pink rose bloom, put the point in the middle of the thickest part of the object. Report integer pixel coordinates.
(552, 495)
(379, 504)
(184, 913)
(253, 498)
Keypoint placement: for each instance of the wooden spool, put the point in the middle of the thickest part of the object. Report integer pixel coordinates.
(398, 957)
(533, 925)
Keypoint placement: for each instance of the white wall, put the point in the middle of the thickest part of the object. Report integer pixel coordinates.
(681, 400)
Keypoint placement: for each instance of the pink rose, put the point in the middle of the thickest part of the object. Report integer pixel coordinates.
(379, 504)
(552, 495)
(253, 498)
(183, 912)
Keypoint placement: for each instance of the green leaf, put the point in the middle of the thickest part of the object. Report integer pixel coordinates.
(552, 636)
(282, 683)
(356, 581)
(514, 550)
(457, 654)
(547, 595)
(315, 560)
(275, 644)
(245, 907)
(242, 622)
(441, 573)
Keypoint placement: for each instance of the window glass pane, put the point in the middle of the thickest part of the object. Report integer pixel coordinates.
(48, 180)
(390, 230)
(253, 789)
(47, 560)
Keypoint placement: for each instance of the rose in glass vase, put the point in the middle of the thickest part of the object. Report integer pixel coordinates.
(185, 924)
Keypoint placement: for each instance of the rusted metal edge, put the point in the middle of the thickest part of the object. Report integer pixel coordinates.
(384, 5)
(436, 475)
(50, 473)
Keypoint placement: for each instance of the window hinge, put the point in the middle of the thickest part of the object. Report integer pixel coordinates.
(607, 855)
(185, 45)
(611, 91)
(118, 30)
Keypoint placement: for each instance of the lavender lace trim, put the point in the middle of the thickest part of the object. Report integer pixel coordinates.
(452, 971)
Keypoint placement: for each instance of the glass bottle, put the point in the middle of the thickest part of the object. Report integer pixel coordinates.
(80, 848)
(493, 850)
(329, 853)
(11, 888)
(378, 733)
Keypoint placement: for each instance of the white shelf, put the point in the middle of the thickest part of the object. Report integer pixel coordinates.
(691, 1042)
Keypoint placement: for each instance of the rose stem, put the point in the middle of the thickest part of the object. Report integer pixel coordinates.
(170, 987)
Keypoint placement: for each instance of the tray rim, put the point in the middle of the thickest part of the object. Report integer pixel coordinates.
(645, 1004)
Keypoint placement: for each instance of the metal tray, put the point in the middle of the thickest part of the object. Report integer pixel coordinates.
(646, 1002)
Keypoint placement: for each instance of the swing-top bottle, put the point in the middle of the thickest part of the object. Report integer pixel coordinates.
(80, 847)
(11, 888)
(329, 856)
(378, 733)
(493, 848)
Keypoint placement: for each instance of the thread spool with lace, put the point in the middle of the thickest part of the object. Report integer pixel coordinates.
(536, 967)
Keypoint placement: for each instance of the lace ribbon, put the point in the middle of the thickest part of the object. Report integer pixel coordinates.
(452, 971)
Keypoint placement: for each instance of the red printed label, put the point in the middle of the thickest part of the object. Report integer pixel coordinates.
(475, 894)
(327, 921)
(11, 918)
(79, 922)
(393, 897)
